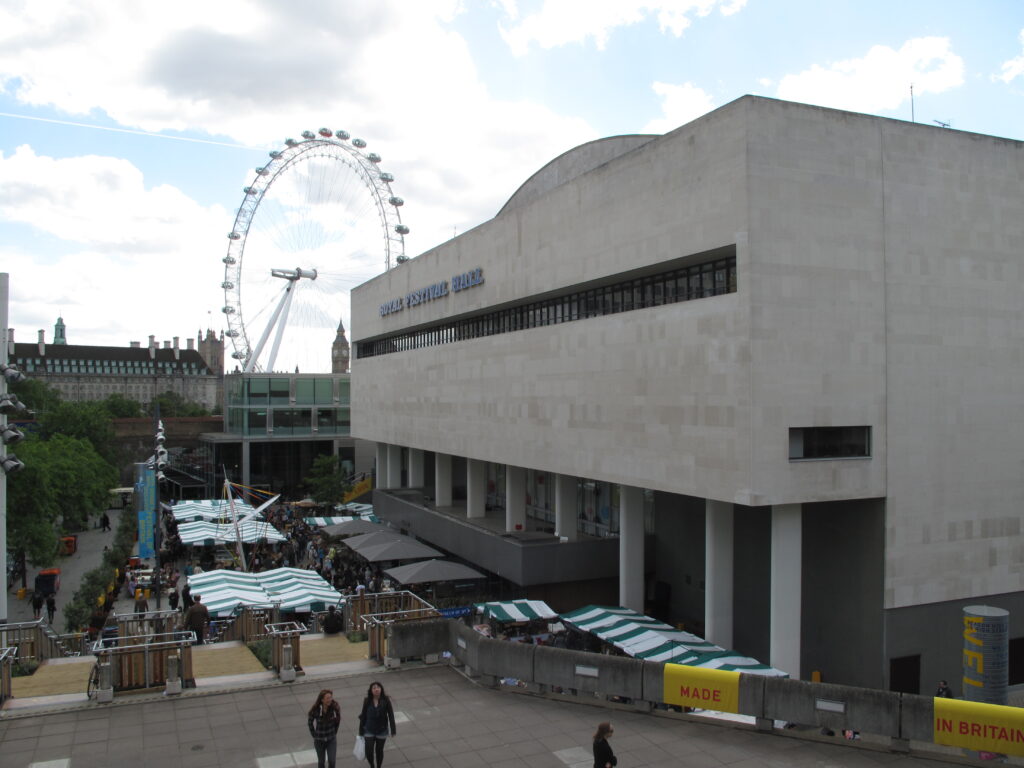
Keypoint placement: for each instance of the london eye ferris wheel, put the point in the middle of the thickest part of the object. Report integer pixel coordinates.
(319, 218)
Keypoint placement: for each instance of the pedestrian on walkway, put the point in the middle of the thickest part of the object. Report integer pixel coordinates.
(141, 603)
(603, 755)
(943, 691)
(196, 618)
(375, 722)
(105, 522)
(172, 599)
(324, 719)
(37, 605)
(51, 607)
(186, 597)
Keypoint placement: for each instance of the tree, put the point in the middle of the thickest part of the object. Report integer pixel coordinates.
(87, 421)
(32, 510)
(121, 407)
(173, 404)
(36, 395)
(324, 481)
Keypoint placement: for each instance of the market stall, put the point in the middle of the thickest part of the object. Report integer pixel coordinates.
(224, 591)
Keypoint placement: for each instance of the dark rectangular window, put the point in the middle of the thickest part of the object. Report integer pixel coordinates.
(829, 443)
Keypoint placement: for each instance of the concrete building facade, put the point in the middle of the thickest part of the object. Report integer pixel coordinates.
(82, 372)
(786, 343)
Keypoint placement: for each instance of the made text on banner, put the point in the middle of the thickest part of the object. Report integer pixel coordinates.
(695, 687)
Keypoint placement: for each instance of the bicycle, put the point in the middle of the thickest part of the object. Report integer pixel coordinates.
(93, 686)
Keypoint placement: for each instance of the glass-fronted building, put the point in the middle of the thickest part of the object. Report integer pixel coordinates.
(276, 424)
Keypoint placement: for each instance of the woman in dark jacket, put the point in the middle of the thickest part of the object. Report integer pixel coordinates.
(324, 719)
(603, 755)
(375, 722)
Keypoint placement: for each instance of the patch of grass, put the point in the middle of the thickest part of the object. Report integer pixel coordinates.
(24, 668)
(261, 649)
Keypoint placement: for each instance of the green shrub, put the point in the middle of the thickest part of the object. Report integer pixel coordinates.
(261, 649)
(24, 668)
(356, 636)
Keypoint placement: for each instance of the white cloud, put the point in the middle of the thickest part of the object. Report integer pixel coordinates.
(880, 80)
(561, 22)
(1012, 68)
(254, 72)
(679, 105)
(125, 245)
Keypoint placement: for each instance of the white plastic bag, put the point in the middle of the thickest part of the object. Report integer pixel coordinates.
(359, 748)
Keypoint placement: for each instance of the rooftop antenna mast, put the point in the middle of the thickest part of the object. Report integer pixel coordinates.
(941, 124)
(912, 103)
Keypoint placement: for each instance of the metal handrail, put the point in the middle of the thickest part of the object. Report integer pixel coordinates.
(7, 659)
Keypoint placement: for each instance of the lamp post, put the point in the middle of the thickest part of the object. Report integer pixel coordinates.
(9, 435)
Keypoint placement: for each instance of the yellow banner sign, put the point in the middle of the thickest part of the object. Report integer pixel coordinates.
(983, 727)
(363, 486)
(702, 688)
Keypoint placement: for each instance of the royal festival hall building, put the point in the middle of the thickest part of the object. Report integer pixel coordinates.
(762, 376)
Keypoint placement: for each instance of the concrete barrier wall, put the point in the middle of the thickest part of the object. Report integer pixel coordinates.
(917, 717)
(589, 672)
(416, 639)
(464, 643)
(504, 659)
(882, 713)
(832, 706)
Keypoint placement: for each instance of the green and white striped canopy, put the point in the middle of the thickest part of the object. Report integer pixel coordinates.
(320, 522)
(516, 610)
(201, 533)
(209, 509)
(223, 592)
(645, 638)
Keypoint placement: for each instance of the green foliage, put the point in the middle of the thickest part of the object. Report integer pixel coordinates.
(324, 481)
(121, 407)
(173, 404)
(36, 395)
(356, 637)
(87, 421)
(24, 668)
(95, 583)
(262, 650)
(32, 508)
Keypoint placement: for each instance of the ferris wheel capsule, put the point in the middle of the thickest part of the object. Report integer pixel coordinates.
(238, 355)
(290, 142)
(229, 260)
(396, 201)
(231, 333)
(234, 236)
(358, 143)
(308, 135)
(228, 310)
(385, 176)
(343, 135)
(402, 229)
(227, 285)
(261, 171)
(373, 157)
(274, 153)
(325, 132)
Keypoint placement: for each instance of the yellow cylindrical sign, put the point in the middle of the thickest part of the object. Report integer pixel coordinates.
(982, 727)
(702, 688)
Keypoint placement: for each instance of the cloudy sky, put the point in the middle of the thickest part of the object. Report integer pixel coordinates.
(129, 129)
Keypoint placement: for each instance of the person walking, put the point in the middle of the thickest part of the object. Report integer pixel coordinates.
(141, 603)
(324, 719)
(51, 607)
(196, 617)
(37, 604)
(104, 522)
(944, 691)
(172, 599)
(603, 755)
(375, 722)
(186, 597)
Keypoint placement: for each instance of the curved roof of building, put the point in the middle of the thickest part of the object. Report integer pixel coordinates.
(575, 162)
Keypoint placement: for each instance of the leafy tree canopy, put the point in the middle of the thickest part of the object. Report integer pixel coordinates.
(36, 395)
(121, 407)
(173, 404)
(32, 509)
(324, 481)
(86, 420)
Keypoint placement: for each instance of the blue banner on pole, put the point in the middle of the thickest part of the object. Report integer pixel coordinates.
(454, 613)
(147, 513)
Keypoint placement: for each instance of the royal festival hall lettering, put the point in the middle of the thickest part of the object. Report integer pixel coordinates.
(459, 282)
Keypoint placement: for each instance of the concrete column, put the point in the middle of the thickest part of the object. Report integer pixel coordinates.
(718, 543)
(631, 548)
(415, 468)
(382, 465)
(787, 569)
(476, 488)
(394, 466)
(566, 491)
(442, 480)
(515, 498)
(246, 464)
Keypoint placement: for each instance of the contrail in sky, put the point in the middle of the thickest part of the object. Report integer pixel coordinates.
(127, 130)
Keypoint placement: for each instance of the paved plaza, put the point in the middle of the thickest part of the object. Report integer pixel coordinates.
(444, 721)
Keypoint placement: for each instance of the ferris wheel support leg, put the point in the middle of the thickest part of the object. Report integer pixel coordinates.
(251, 362)
(280, 329)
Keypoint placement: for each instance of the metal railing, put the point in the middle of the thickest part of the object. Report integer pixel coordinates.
(285, 646)
(147, 623)
(249, 625)
(37, 641)
(373, 614)
(141, 661)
